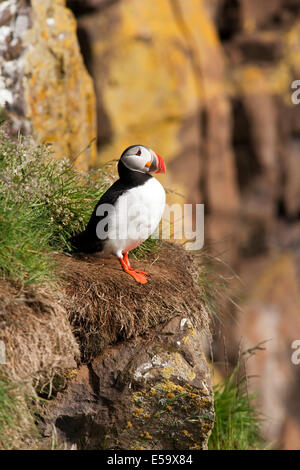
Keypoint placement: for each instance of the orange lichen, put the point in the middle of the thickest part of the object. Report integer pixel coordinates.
(137, 412)
(146, 435)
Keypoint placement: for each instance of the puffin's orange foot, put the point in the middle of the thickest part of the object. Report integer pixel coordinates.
(139, 276)
(142, 272)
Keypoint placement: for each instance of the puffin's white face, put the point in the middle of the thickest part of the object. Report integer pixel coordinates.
(142, 159)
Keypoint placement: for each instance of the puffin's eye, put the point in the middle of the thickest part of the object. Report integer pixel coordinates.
(139, 152)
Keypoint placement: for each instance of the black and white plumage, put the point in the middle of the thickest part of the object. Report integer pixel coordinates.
(137, 202)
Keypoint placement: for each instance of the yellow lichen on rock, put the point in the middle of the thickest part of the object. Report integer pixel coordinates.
(150, 73)
(142, 68)
(172, 405)
(253, 79)
(58, 90)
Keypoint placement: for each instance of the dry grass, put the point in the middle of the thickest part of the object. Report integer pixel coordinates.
(36, 332)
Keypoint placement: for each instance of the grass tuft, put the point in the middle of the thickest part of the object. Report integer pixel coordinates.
(42, 203)
(149, 246)
(237, 422)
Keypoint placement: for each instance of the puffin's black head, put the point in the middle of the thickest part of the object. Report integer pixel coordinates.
(141, 159)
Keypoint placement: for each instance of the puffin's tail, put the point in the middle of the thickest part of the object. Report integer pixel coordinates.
(78, 242)
(84, 243)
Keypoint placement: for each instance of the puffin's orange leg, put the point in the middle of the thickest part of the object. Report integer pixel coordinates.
(126, 259)
(139, 277)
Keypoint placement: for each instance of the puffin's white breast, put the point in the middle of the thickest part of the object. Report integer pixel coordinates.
(137, 214)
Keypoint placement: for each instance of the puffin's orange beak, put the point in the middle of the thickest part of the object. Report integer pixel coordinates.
(156, 164)
(161, 165)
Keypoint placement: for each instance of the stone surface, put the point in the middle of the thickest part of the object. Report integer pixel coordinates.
(271, 315)
(81, 6)
(45, 86)
(208, 86)
(149, 393)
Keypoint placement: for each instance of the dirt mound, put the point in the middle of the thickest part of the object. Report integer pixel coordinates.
(106, 305)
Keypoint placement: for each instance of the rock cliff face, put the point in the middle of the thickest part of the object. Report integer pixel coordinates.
(151, 393)
(44, 84)
(124, 364)
(207, 83)
(271, 315)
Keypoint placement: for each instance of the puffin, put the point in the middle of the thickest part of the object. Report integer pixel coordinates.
(128, 212)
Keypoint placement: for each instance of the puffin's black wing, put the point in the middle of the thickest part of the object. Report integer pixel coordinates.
(87, 241)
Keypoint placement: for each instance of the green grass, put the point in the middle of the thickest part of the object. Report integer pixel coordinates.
(17, 428)
(8, 410)
(237, 422)
(42, 203)
(151, 245)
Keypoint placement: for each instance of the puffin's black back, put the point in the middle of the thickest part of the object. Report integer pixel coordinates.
(87, 241)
